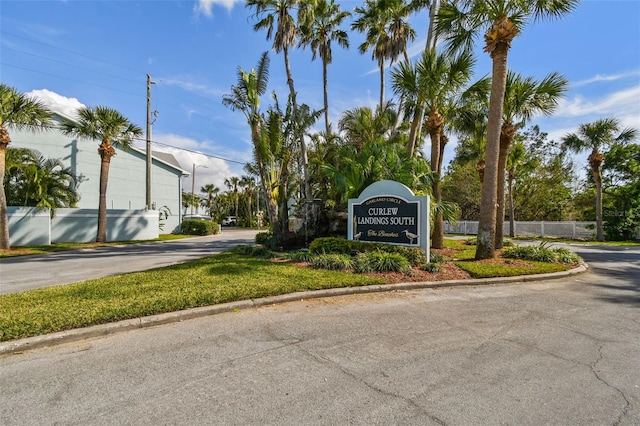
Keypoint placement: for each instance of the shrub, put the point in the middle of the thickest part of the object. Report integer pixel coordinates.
(390, 262)
(364, 263)
(332, 261)
(263, 237)
(436, 258)
(243, 249)
(299, 256)
(331, 245)
(541, 253)
(260, 251)
(198, 227)
(431, 267)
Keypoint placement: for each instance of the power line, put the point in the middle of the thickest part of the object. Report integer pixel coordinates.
(72, 65)
(67, 78)
(69, 51)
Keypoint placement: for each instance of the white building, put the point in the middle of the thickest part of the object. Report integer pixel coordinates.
(126, 189)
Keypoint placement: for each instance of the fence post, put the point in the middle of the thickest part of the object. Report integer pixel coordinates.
(542, 229)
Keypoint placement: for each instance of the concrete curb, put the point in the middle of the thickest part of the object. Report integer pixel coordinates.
(62, 337)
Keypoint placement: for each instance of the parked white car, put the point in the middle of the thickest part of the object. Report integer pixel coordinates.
(229, 221)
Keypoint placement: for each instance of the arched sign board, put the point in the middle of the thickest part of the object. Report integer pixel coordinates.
(389, 212)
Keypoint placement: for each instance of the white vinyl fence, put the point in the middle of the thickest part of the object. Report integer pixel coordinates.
(585, 230)
(30, 226)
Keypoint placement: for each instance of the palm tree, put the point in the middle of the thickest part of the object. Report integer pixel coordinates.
(276, 14)
(387, 32)
(598, 136)
(211, 190)
(361, 125)
(17, 111)
(501, 21)
(318, 31)
(232, 183)
(523, 99)
(34, 180)
(249, 185)
(245, 97)
(430, 87)
(113, 130)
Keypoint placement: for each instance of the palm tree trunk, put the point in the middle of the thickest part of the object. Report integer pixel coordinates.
(431, 40)
(512, 221)
(326, 96)
(485, 249)
(381, 65)
(414, 131)
(597, 177)
(505, 144)
(105, 161)
(434, 124)
(303, 144)
(5, 242)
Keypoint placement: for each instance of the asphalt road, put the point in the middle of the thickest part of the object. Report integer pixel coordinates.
(563, 352)
(28, 272)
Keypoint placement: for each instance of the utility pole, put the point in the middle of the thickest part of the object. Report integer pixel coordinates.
(148, 197)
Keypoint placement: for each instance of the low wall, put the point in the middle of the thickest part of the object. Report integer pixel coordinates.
(29, 226)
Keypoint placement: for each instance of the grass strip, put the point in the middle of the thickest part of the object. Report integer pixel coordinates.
(220, 278)
(480, 269)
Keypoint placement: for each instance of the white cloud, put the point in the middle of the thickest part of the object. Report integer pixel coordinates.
(59, 104)
(205, 7)
(612, 77)
(622, 104)
(208, 169)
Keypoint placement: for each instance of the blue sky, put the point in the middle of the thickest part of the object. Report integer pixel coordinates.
(70, 52)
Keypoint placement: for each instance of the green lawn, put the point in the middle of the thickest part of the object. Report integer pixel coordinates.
(216, 279)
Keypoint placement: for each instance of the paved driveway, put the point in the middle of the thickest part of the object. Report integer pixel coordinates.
(28, 272)
(564, 352)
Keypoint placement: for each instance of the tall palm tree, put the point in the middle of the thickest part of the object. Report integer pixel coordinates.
(319, 29)
(430, 87)
(249, 185)
(245, 97)
(232, 183)
(276, 14)
(17, 111)
(597, 137)
(523, 99)
(387, 32)
(211, 190)
(501, 21)
(113, 130)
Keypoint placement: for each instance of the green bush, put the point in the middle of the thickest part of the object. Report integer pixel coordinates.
(364, 263)
(299, 256)
(198, 227)
(332, 261)
(264, 252)
(431, 267)
(325, 245)
(263, 237)
(390, 262)
(541, 253)
(242, 249)
(331, 245)
(436, 258)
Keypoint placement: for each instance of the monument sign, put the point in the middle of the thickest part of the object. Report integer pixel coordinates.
(389, 212)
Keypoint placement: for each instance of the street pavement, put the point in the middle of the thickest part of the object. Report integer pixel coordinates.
(28, 272)
(558, 352)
